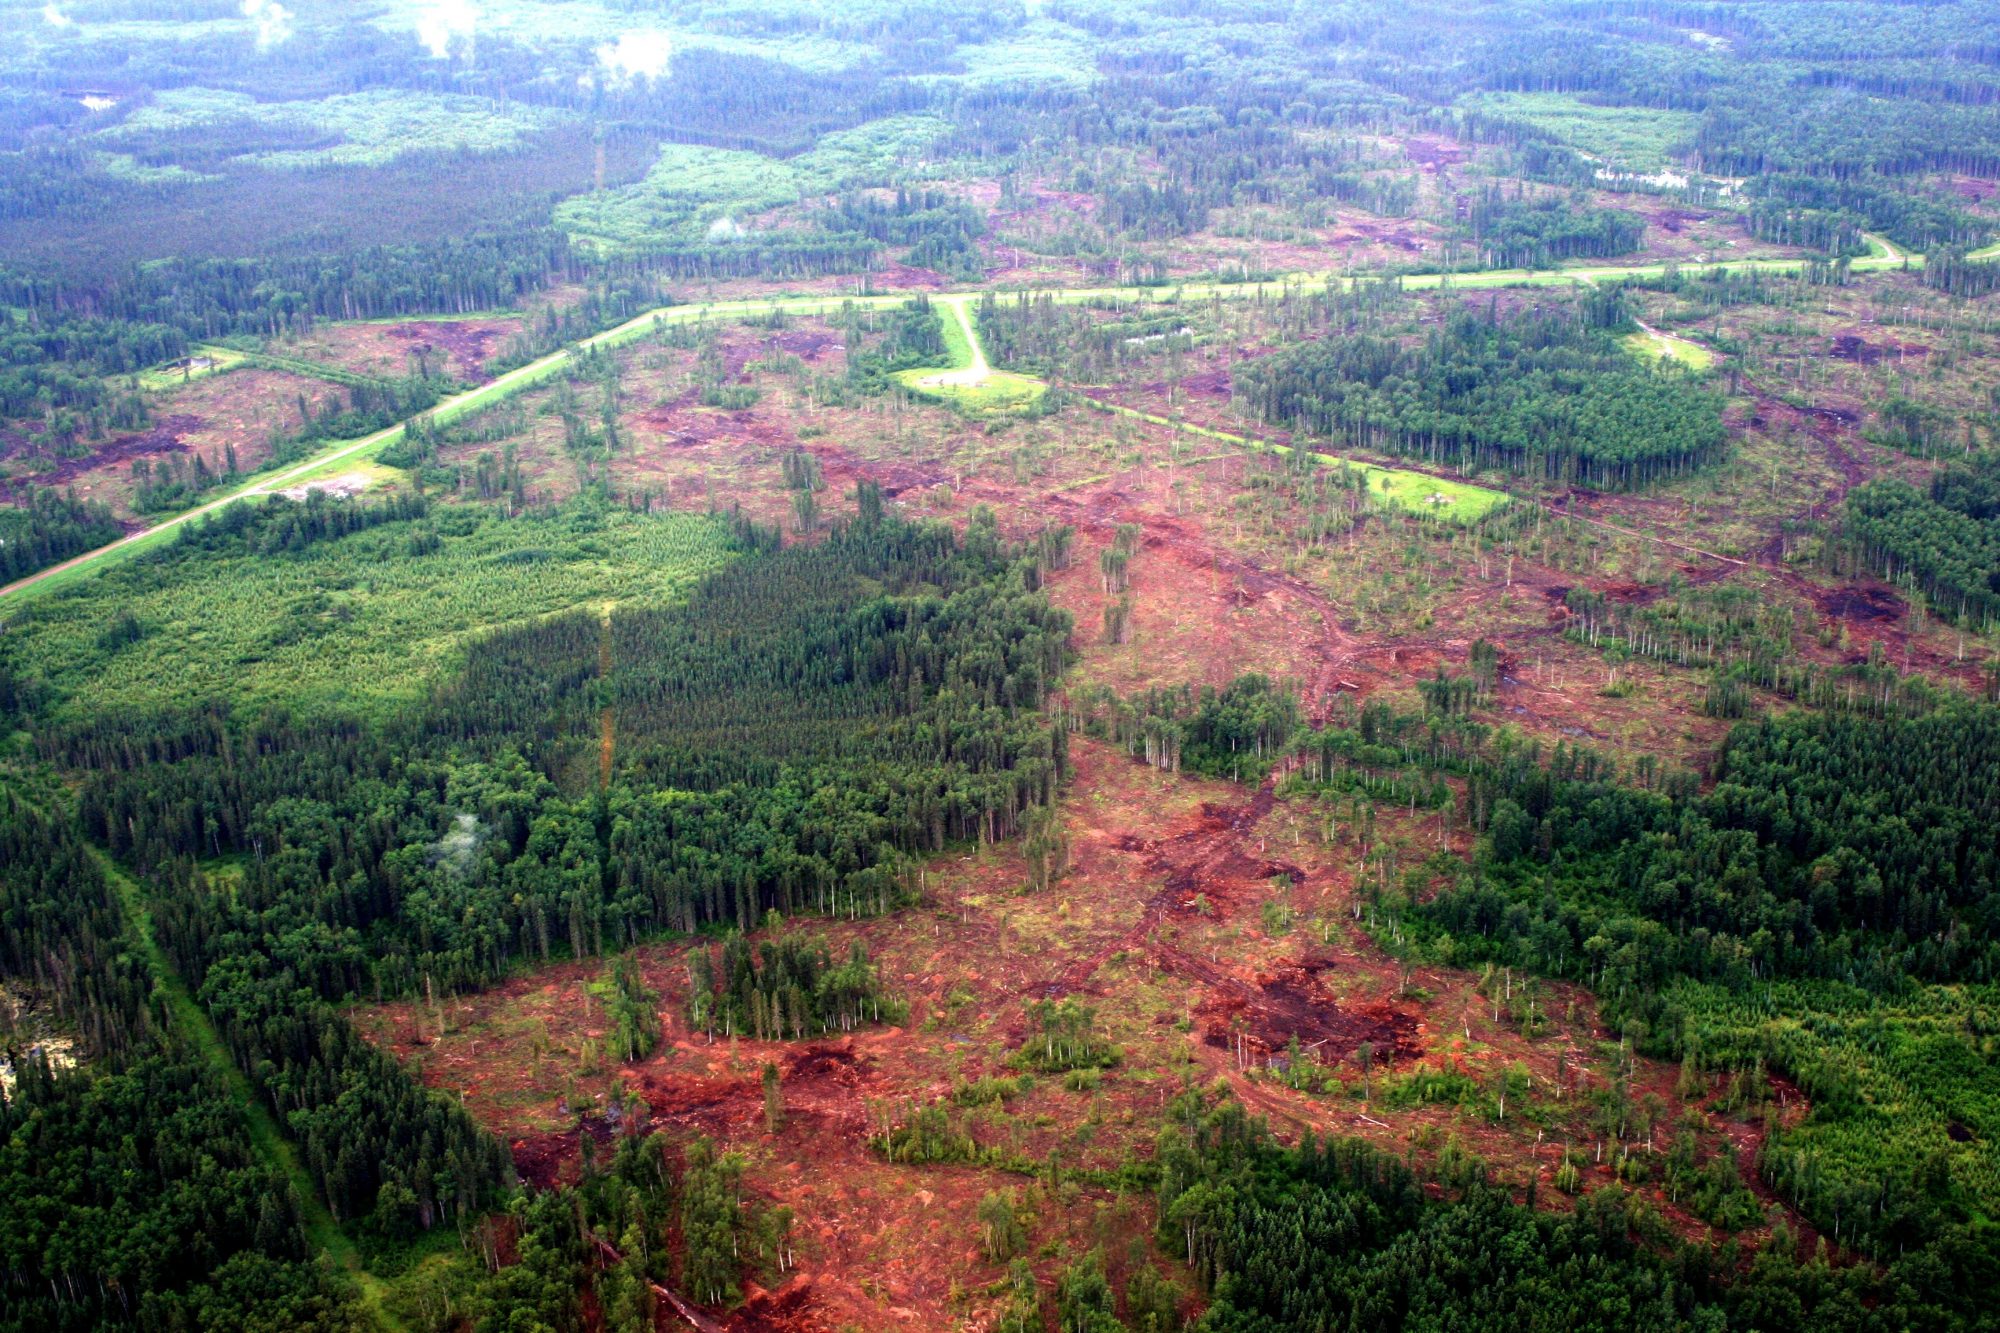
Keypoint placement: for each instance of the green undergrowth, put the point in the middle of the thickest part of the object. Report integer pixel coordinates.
(357, 621)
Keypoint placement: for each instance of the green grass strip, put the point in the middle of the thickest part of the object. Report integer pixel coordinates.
(352, 379)
(187, 1018)
(1412, 492)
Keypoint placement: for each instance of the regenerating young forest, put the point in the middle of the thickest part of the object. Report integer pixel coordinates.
(1094, 665)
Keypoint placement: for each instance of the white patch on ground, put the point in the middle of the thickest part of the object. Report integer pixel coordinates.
(28, 1037)
(273, 20)
(643, 54)
(442, 23)
(60, 1052)
(1149, 338)
(455, 850)
(346, 484)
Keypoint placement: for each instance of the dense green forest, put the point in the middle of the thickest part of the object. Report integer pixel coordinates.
(180, 1224)
(1549, 394)
(1839, 865)
(1339, 1235)
(49, 529)
(1944, 542)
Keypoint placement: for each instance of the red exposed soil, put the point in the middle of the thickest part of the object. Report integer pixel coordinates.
(165, 437)
(1431, 152)
(903, 278)
(467, 343)
(1386, 234)
(1672, 220)
(809, 345)
(1209, 384)
(1204, 868)
(1853, 347)
(1860, 604)
(1258, 1020)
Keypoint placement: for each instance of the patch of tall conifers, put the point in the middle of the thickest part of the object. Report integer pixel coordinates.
(1830, 213)
(1826, 910)
(1943, 542)
(1949, 270)
(785, 989)
(49, 529)
(784, 740)
(1236, 732)
(1338, 1234)
(1513, 231)
(1545, 393)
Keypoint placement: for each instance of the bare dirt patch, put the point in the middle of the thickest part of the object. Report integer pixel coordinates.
(460, 348)
(1853, 347)
(166, 436)
(342, 484)
(1432, 152)
(239, 410)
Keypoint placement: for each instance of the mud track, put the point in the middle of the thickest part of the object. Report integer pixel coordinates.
(1340, 651)
(1208, 870)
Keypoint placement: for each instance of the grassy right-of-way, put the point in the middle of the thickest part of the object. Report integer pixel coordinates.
(1399, 488)
(186, 1018)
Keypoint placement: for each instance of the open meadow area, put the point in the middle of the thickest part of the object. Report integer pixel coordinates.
(897, 664)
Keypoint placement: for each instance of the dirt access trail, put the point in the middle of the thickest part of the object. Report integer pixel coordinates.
(544, 368)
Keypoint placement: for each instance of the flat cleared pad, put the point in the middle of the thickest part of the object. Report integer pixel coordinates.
(1421, 493)
(1635, 137)
(968, 382)
(1651, 345)
(997, 391)
(354, 481)
(201, 362)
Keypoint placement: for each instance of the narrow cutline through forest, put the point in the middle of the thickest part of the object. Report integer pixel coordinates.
(268, 1138)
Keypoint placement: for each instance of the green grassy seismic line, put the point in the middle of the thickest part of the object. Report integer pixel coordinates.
(1419, 493)
(294, 366)
(995, 388)
(186, 1017)
(974, 351)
